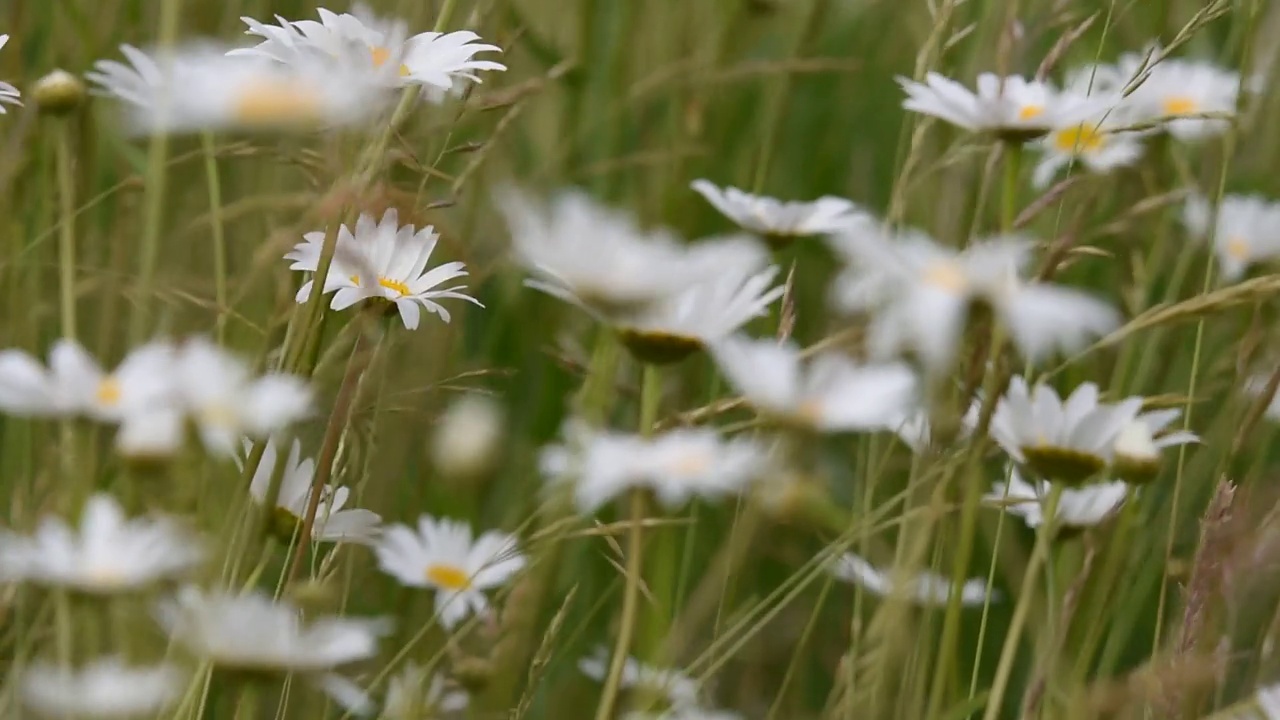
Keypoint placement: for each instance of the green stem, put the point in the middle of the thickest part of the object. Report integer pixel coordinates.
(214, 184)
(630, 604)
(67, 232)
(1009, 192)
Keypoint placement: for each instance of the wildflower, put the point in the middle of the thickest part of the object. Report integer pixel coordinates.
(1077, 507)
(1175, 90)
(779, 220)
(414, 694)
(442, 556)
(1136, 453)
(332, 522)
(1012, 107)
(9, 94)
(1268, 701)
(1069, 440)
(921, 294)
(104, 688)
(152, 435)
(107, 554)
(829, 392)
(468, 437)
(677, 689)
(926, 588)
(58, 93)
(254, 634)
(1244, 230)
(1096, 142)
(385, 261)
(76, 384)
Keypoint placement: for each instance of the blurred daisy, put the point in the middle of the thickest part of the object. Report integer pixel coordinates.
(105, 688)
(1069, 440)
(197, 88)
(1268, 702)
(382, 260)
(673, 328)
(225, 401)
(926, 588)
(1013, 108)
(1174, 89)
(107, 553)
(152, 435)
(828, 392)
(778, 219)
(441, 555)
(1094, 143)
(678, 689)
(75, 383)
(9, 94)
(1244, 230)
(415, 694)
(1136, 454)
(252, 633)
(920, 294)
(1077, 507)
(332, 522)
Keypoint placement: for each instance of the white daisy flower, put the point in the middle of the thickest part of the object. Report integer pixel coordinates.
(1244, 232)
(1012, 107)
(467, 441)
(1078, 507)
(382, 260)
(9, 94)
(75, 383)
(198, 88)
(1069, 440)
(219, 393)
(415, 694)
(1136, 454)
(920, 294)
(1094, 143)
(829, 392)
(442, 556)
(152, 435)
(780, 219)
(107, 553)
(1177, 88)
(332, 522)
(253, 633)
(926, 588)
(590, 255)
(106, 688)
(1268, 702)
(679, 690)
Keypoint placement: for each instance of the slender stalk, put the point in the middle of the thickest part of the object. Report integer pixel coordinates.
(630, 605)
(214, 184)
(1009, 191)
(66, 231)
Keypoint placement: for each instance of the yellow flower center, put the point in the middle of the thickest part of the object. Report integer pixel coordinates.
(1180, 105)
(395, 286)
(105, 576)
(355, 280)
(108, 392)
(810, 410)
(1030, 112)
(945, 276)
(449, 577)
(380, 57)
(277, 103)
(691, 464)
(1237, 248)
(1079, 139)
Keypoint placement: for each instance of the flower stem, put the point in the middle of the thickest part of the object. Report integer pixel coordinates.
(219, 235)
(1009, 192)
(67, 231)
(630, 604)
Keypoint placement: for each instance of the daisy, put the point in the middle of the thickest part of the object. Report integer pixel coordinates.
(198, 88)
(442, 556)
(58, 93)
(704, 314)
(106, 554)
(1069, 440)
(926, 588)
(1174, 89)
(152, 435)
(252, 633)
(221, 396)
(1136, 454)
(105, 688)
(1095, 142)
(9, 94)
(778, 219)
(828, 392)
(385, 261)
(76, 384)
(1268, 702)
(332, 523)
(1077, 507)
(1012, 108)
(678, 689)
(414, 694)
(1244, 230)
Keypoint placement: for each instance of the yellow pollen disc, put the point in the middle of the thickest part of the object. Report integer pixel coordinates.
(276, 103)
(1030, 112)
(355, 280)
(692, 464)
(395, 286)
(945, 276)
(449, 577)
(380, 57)
(1237, 248)
(1180, 105)
(1079, 139)
(108, 392)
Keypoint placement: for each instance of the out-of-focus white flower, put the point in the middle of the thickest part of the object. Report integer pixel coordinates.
(151, 435)
(107, 553)
(415, 694)
(925, 588)
(76, 384)
(385, 261)
(1136, 454)
(441, 555)
(678, 689)
(332, 522)
(829, 392)
(779, 218)
(1011, 107)
(468, 437)
(9, 94)
(106, 688)
(920, 294)
(198, 87)
(1095, 142)
(1268, 702)
(1080, 507)
(1244, 230)
(1176, 88)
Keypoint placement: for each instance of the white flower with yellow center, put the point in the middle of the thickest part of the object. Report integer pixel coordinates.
(106, 553)
(226, 402)
(255, 634)
(383, 260)
(1080, 507)
(1246, 231)
(1177, 90)
(780, 219)
(75, 384)
(829, 392)
(106, 688)
(197, 88)
(1012, 107)
(332, 522)
(416, 694)
(676, 688)
(926, 587)
(442, 556)
(1095, 143)
(9, 94)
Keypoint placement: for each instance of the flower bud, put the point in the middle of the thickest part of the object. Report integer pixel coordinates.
(58, 93)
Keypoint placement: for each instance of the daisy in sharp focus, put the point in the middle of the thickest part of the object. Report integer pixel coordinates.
(676, 688)
(106, 688)
(925, 588)
(383, 260)
(9, 94)
(1080, 507)
(780, 220)
(332, 522)
(415, 694)
(1246, 230)
(442, 556)
(1012, 108)
(106, 553)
